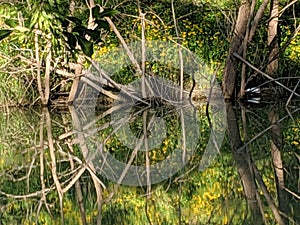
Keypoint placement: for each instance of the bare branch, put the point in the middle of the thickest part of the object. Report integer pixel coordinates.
(264, 74)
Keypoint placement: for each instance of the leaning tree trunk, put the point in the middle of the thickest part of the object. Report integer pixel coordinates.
(230, 72)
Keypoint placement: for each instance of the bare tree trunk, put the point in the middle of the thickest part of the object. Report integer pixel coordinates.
(244, 165)
(257, 18)
(276, 143)
(54, 170)
(38, 64)
(43, 84)
(47, 70)
(276, 139)
(85, 152)
(273, 44)
(230, 72)
(78, 70)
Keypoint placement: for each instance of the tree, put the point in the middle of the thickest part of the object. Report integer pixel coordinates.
(59, 36)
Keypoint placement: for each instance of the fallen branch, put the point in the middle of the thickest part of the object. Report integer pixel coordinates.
(99, 88)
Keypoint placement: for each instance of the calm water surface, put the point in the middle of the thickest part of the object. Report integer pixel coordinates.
(51, 172)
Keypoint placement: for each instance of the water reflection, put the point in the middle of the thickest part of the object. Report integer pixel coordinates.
(46, 179)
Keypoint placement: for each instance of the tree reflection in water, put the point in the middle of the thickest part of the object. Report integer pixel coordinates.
(45, 178)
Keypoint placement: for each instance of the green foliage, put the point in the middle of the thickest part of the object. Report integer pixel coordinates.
(82, 35)
(213, 196)
(201, 32)
(4, 33)
(68, 36)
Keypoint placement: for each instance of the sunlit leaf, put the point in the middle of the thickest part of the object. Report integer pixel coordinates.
(21, 29)
(10, 22)
(34, 19)
(4, 33)
(51, 3)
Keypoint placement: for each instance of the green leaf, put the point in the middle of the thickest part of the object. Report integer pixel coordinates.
(72, 40)
(96, 11)
(108, 13)
(11, 23)
(81, 30)
(94, 34)
(51, 3)
(74, 20)
(64, 23)
(34, 19)
(21, 29)
(4, 33)
(86, 46)
(102, 24)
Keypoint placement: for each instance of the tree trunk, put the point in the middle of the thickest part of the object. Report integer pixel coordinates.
(244, 165)
(273, 44)
(276, 137)
(47, 70)
(38, 65)
(230, 72)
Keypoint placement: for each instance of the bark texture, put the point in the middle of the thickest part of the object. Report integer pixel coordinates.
(231, 67)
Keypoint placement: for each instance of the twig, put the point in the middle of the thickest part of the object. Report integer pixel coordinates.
(125, 46)
(292, 193)
(47, 69)
(142, 17)
(26, 196)
(257, 18)
(290, 98)
(148, 172)
(287, 6)
(264, 131)
(99, 88)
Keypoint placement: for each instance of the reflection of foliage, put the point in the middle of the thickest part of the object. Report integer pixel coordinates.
(214, 195)
(12, 135)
